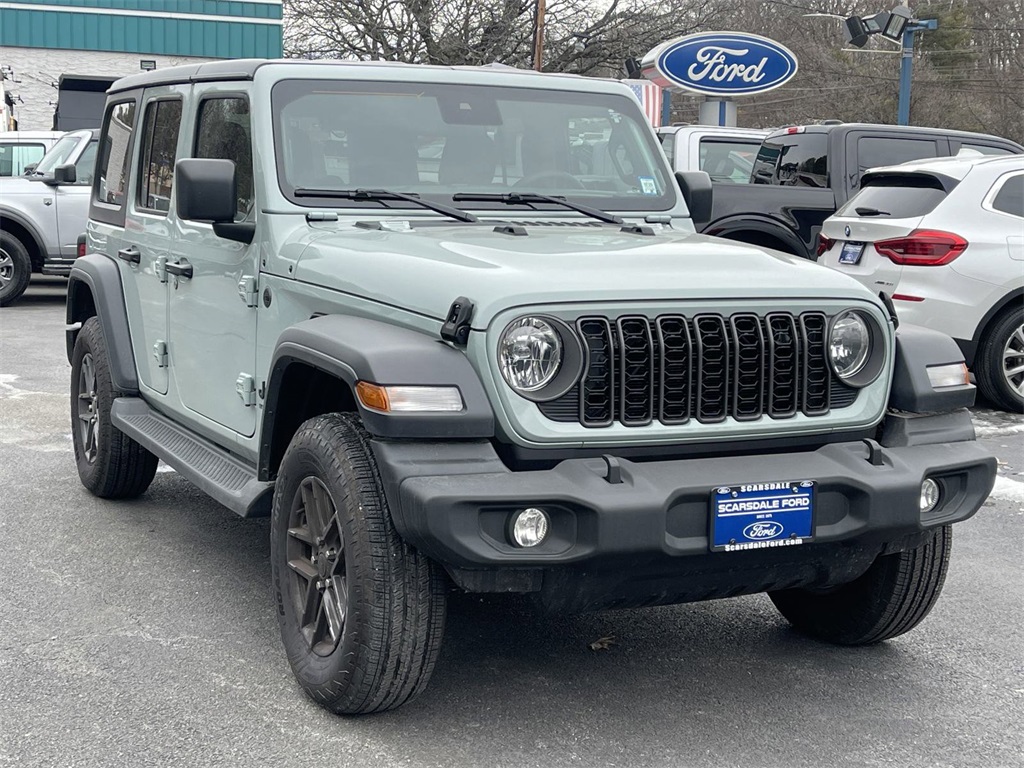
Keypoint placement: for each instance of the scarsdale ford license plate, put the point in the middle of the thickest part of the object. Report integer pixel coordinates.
(762, 515)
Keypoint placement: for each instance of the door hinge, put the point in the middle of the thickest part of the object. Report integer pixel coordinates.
(160, 267)
(247, 290)
(160, 354)
(245, 386)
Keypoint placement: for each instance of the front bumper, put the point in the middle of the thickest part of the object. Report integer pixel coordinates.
(454, 502)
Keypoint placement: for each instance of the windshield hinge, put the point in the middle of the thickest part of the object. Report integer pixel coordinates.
(160, 353)
(321, 216)
(456, 326)
(247, 290)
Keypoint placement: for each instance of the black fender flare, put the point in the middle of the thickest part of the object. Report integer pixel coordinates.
(356, 349)
(918, 348)
(26, 223)
(763, 225)
(94, 288)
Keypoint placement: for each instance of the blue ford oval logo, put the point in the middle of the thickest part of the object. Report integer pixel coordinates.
(721, 63)
(765, 529)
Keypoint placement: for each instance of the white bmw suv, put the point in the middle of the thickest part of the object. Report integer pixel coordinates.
(944, 238)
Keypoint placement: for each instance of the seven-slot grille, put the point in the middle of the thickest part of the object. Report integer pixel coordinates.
(705, 367)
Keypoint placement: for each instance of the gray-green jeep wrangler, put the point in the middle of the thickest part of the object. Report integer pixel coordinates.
(453, 326)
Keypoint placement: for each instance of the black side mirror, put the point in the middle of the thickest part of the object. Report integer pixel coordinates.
(29, 169)
(697, 192)
(63, 174)
(204, 189)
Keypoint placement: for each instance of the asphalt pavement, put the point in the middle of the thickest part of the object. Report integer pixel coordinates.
(143, 634)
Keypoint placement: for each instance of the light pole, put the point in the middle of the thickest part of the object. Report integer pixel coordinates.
(538, 41)
(907, 66)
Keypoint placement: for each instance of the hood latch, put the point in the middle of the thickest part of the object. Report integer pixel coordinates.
(456, 327)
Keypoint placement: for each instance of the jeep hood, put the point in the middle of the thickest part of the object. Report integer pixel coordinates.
(424, 269)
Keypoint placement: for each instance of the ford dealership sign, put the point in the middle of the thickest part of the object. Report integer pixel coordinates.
(721, 64)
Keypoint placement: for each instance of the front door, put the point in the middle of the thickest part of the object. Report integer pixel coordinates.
(72, 202)
(212, 298)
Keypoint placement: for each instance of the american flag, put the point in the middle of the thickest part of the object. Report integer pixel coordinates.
(649, 96)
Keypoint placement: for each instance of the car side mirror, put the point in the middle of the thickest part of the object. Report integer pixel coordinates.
(697, 192)
(63, 174)
(204, 189)
(29, 169)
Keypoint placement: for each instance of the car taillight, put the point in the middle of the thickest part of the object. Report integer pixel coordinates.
(824, 243)
(923, 248)
(81, 246)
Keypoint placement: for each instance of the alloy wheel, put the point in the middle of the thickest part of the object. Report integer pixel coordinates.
(1013, 360)
(6, 268)
(316, 557)
(88, 409)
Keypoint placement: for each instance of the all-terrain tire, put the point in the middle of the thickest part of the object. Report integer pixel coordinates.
(15, 269)
(892, 597)
(110, 464)
(999, 365)
(361, 613)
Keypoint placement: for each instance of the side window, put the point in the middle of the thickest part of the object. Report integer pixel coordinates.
(85, 166)
(14, 157)
(794, 160)
(1010, 198)
(874, 152)
(115, 161)
(973, 150)
(668, 144)
(159, 142)
(224, 131)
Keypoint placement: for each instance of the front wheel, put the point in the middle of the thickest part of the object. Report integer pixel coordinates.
(892, 597)
(15, 269)
(361, 612)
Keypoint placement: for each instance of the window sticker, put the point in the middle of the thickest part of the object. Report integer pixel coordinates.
(648, 185)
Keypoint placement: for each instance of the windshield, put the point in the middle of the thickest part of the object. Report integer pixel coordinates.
(58, 154)
(439, 140)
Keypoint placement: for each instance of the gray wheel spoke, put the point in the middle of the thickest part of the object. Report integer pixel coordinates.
(334, 612)
(311, 605)
(309, 504)
(302, 533)
(304, 568)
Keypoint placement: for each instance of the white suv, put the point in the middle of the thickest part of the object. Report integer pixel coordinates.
(944, 238)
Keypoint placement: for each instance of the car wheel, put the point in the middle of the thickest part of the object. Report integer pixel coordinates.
(15, 269)
(110, 464)
(892, 597)
(361, 613)
(999, 366)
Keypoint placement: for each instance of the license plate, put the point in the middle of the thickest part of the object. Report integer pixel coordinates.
(851, 253)
(762, 515)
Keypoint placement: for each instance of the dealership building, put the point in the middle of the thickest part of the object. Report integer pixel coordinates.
(42, 40)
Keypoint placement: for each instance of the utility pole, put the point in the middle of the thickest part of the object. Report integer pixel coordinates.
(907, 66)
(538, 40)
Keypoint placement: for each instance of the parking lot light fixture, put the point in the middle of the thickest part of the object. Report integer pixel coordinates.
(899, 17)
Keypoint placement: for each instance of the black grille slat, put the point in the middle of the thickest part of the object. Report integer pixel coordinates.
(712, 343)
(783, 365)
(816, 370)
(596, 398)
(673, 369)
(747, 367)
(636, 371)
(675, 381)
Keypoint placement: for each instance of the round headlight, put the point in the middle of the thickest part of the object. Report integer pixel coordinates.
(849, 344)
(529, 353)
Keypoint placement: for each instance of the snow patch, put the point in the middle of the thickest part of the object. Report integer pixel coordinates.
(1008, 489)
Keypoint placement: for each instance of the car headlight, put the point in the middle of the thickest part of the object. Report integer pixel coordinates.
(529, 353)
(849, 345)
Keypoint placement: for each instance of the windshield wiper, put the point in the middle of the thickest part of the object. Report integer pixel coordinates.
(383, 195)
(529, 198)
(871, 212)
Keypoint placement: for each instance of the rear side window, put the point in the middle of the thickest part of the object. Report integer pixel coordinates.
(1010, 198)
(668, 143)
(874, 152)
(159, 142)
(85, 166)
(115, 159)
(893, 201)
(728, 161)
(793, 160)
(224, 132)
(14, 157)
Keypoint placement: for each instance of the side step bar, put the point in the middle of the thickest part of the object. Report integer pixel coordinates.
(219, 474)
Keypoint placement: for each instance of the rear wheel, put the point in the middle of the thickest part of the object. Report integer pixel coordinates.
(110, 464)
(999, 367)
(361, 612)
(892, 597)
(15, 269)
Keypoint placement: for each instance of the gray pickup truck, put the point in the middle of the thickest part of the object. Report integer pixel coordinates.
(43, 214)
(453, 328)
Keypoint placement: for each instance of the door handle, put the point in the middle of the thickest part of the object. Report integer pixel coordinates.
(130, 254)
(179, 269)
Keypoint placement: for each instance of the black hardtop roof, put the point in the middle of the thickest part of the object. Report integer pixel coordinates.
(844, 128)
